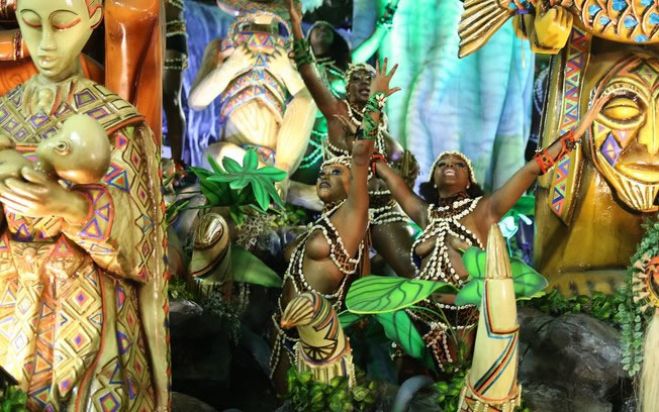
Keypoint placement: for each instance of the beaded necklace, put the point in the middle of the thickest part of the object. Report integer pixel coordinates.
(356, 116)
(442, 222)
(295, 274)
(338, 255)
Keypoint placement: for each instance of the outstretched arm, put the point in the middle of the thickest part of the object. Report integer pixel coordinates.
(503, 199)
(325, 100)
(367, 49)
(412, 205)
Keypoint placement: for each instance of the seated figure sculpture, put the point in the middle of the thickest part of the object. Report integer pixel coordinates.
(251, 72)
(100, 272)
(325, 257)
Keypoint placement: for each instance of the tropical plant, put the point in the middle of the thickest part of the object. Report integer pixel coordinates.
(306, 394)
(526, 281)
(236, 185)
(385, 299)
(15, 400)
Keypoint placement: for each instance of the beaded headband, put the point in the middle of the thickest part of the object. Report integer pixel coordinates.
(472, 176)
(342, 160)
(359, 67)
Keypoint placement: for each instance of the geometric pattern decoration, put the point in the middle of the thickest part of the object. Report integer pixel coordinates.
(611, 149)
(72, 328)
(567, 170)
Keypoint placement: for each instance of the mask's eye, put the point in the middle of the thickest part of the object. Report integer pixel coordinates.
(461, 165)
(62, 148)
(441, 164)
(622, 109)
(336, 171)
(64, 19)
(31, 19)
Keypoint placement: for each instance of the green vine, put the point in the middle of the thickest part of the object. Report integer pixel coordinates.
(307, 395)
(15, 400)
(448, 390)
(600, 306)
(629, 314)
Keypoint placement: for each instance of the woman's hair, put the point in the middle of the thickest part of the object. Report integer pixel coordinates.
(428, 191)
(339, 50)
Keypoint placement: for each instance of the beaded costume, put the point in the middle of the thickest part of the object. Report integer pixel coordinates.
(383, 208)
(444, 221)
(294, 274)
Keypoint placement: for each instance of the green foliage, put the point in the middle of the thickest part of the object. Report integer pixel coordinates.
(308, 395)
(247, 268)
(178, 290)
(380, 294)
(599, 305)
(236, 185)
(175, 208)
(398, 328)
(526, 281)
(633, 321)
(448, 390)
(14, 401)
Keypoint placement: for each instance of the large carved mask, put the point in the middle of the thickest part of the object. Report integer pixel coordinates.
(624, 138)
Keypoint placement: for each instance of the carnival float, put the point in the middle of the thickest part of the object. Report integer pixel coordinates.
(329, 205)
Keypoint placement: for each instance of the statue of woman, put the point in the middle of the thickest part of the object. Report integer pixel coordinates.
(83, 300)
(333, 249)
(389, 231)
(454, 215)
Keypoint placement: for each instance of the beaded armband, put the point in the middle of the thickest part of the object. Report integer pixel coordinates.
(301, 52)
(369, 128)
(545, 161)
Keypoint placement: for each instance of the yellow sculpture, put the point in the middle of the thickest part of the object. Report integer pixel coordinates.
(323, 348)
(590, 207)
(84, 303)
(491, 383)
(253, 74)
(79, 152)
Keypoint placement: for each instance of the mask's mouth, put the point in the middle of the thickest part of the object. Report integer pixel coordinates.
(643, 172)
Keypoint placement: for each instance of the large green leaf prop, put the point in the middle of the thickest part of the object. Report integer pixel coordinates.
(348, 318)
(234, 184)
(247, 268)
(399, 328)
(526, 281)
(379, 294)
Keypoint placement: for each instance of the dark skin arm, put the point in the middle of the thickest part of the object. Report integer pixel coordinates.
(412, 205)
(325, 100)
(493, 207)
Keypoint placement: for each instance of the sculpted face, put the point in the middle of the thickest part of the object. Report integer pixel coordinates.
(79, 152)
(333, 183)
(625, 137)
(55, 32)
